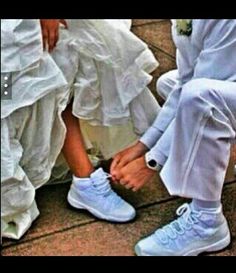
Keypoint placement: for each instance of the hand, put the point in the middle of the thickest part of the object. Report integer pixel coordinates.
(50, 33)
(135, 175)
(126, 156)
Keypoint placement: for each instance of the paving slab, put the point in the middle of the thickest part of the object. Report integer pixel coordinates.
(157, 35)
(105, 239)
(141, 22)
(56, 215)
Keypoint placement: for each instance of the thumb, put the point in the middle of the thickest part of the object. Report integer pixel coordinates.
(64, 23)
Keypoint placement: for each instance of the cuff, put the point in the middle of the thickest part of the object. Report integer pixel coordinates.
(158, 156)
(151, 137)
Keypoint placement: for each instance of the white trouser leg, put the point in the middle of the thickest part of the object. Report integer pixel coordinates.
(166, 83)
(205, 125)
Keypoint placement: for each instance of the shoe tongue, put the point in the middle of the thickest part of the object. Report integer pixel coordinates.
(98, 173)
(100, 180)
(99, 177)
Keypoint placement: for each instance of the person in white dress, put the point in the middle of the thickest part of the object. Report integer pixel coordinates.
(107, 77)
(189, 142)
(32, 129)
(107, 69)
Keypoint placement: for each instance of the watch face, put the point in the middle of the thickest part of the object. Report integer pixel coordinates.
(152, 163)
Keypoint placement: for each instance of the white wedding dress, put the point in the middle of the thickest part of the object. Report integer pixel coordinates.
(32, 131)
(108, 69)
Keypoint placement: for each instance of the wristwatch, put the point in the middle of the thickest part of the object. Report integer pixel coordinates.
(151, 163)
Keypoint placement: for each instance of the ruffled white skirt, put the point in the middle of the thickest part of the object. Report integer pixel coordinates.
(108, 69)
(32, 135)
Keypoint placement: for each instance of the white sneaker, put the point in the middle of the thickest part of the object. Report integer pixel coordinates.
(192, 233)
(96, 195)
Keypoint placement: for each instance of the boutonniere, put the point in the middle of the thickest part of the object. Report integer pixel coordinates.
(184, 26)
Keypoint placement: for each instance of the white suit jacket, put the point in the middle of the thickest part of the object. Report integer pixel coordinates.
(209, 52)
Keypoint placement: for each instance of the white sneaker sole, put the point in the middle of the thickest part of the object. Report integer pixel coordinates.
(79, 205)
(223, 243)
(220, 245)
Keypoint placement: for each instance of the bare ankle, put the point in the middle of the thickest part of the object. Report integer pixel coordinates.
(83, 173)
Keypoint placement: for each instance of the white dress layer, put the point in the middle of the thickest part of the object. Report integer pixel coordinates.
(108, 69)
(32, 131)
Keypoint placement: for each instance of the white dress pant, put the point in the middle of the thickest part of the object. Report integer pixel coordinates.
(195, 148)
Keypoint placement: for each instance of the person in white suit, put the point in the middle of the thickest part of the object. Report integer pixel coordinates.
(189, 142)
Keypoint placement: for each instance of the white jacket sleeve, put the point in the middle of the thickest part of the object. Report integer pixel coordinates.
(216, 40)
(162, 121)
(217, 59)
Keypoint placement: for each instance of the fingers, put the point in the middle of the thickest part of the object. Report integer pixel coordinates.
(64, 23)
(117, 175)
(56, 37)
(136, 188)
(126, 181)
(123, 182)
(114, 163)
(118, 163)
(123, 161)
(50, 33)
(45, 39)
(52, 40)
(129, 186)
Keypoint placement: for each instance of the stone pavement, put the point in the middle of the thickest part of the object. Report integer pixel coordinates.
(62, 230)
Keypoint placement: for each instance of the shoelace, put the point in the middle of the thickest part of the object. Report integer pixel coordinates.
(102, 186)
(178, 227)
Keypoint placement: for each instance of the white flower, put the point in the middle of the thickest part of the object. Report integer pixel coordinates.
(184, 26)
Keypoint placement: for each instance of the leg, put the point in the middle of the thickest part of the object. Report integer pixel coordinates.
(204, 126)
(166, 83)
(18, 206)
(90, 189)
(73, 149)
